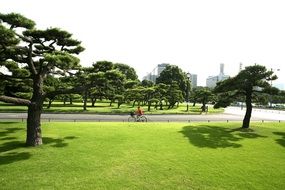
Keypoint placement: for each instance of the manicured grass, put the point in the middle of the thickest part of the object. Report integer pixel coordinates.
(144, 156)
(104, 107)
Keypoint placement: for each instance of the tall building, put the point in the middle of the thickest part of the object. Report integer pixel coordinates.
(222, 66)
(193, 79)
(240, 67)
(160, 68)
(211, 81)
(152, 76)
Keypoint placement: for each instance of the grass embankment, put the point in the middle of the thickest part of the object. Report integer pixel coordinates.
(144, 156)
(104, 107)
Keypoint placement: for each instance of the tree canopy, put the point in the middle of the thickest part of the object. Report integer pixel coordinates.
(30, 55)
(173, 73)
(248, 84)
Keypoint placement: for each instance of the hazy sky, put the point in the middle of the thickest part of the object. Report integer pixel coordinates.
(196, 35)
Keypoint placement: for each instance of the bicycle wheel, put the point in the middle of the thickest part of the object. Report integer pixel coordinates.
(143, 119)
(132, 119)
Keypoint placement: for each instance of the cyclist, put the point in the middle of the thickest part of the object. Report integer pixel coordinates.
(139, 111)
(137, 116)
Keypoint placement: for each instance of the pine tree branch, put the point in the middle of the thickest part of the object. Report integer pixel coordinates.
(8, 77)
(25, 39)
(18, 101)
(78, 89)
(30, 53)
(30, 60)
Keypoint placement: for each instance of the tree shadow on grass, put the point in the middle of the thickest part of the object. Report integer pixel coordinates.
(12, 157)
(205, 136)
(70, 137)
(282, 140)
(9, 130)
(11, 145)
(7, 157)
(8, 122)
(59, 143)
(8, 138)
(12, 142)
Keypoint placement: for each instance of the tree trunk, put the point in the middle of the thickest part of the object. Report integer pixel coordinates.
(64, 101)
(34, 133)
(160, 104)
(85, 100)
(70, 101)
(203, 108)
(149, 104)
(247, 116)
(49, 103)
(155, 106)
(93, 100)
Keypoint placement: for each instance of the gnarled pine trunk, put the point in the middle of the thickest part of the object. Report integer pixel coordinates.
(34, 134)
(247, 116)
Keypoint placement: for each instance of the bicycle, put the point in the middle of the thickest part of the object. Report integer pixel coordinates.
(137, 118)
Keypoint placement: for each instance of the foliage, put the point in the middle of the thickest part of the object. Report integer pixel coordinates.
(126, 70)
(202, 95)
(173, 73)
(174, 95)
(279, 98)
(147, 83)
(161, 94)
(106, 80)
(129, 84)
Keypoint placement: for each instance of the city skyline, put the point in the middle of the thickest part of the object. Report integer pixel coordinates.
(195, 35)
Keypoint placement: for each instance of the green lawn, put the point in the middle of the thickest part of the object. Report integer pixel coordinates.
(144, 156)
(104, 107)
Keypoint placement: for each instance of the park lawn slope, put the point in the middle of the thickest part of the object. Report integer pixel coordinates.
(144, 156)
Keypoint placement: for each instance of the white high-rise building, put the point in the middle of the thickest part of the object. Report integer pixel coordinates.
(240, 67)
(211, 81)
(160, 68)
(152, 76)
(193, 79)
